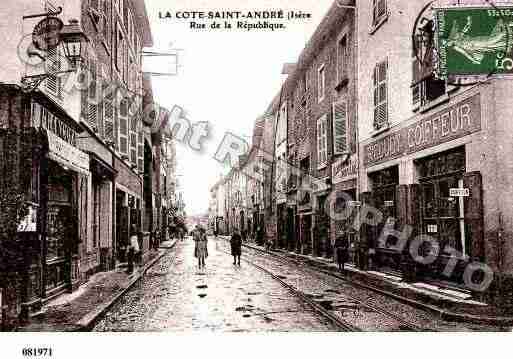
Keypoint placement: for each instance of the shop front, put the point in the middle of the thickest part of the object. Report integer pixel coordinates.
(321, 227)
(128, 209)
(420, 184)
(60, 177)
(342, 205)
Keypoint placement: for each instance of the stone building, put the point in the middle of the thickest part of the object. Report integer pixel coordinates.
(436, 156)
(77, 123)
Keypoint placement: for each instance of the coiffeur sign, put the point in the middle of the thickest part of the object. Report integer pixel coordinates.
(454, 122)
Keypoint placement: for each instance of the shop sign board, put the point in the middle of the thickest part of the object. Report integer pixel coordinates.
(459, 192)
(474, 41)
(453, 122)
(64, 153)
(345, 169)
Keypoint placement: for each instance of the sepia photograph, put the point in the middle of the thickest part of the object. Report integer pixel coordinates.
(214, 171)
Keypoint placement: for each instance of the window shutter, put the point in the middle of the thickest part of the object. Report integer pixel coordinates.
(473, 206)
(108, 116)
(140, 150)
(123, 127)
(53, 64)
(340, 127)
(380, 95)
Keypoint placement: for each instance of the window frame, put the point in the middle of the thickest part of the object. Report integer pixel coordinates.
(321, 83)
(345, 102)
(322, 141)
(376, 95)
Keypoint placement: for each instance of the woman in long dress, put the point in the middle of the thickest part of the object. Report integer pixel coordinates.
(201, 249)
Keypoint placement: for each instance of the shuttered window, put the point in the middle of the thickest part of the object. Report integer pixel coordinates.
(123, 127)
(108, 117)
(92, 98)
(322, 141)
(321, 83)
(340, 127)
(380, 95)
(53, 65)
(140, 149)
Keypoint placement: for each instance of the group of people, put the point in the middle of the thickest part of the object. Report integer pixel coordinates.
(199, 236)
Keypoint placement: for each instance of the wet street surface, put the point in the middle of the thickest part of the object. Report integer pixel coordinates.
(176, 296)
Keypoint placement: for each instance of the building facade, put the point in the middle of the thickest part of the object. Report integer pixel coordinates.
(80, 150)
(437, 164)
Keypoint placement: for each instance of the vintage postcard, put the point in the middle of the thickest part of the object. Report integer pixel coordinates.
(213, 167)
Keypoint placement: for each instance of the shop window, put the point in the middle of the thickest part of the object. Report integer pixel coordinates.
(443, 215)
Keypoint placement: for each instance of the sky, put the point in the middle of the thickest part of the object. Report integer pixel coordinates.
(225, 77)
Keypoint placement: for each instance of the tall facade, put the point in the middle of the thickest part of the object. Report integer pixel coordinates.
(417, 155)
(80, 150)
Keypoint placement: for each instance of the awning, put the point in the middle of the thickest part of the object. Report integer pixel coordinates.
(67, 155)
(100, 168)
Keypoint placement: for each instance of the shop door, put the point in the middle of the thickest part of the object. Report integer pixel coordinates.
(60, 230)
(121, 226)
(345, 225)
(443, 212)
(306, 234)
(386, 258)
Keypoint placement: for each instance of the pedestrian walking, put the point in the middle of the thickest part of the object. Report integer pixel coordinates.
(201, 246)
(133, 250)
(236, 244)
(341, 251)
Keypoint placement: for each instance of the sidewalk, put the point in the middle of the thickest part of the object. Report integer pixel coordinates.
(449, 304)
(80, 310)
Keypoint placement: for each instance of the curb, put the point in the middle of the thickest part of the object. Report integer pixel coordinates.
(88, 321)
(444, 314)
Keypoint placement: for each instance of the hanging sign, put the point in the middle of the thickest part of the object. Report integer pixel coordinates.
(47, 33)
(459, 192)
(474, 41)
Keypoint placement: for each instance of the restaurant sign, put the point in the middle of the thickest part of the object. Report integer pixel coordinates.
(474, 41)
(451, 123)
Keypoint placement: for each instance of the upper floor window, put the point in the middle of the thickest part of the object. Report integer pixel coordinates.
(380, 95)
(343, 54)
(321, 83)
(379, 11)
(426, 87)
(340, 127)
(322, 141)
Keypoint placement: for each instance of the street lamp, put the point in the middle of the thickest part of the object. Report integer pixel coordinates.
(73, 42)
(73, 39)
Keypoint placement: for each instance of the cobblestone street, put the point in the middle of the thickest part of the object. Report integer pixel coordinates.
(176, 296)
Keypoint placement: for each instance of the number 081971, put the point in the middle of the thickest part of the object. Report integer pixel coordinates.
(37, 352)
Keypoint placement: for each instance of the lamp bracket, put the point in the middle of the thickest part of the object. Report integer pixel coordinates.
(49, 13)
(31, 83)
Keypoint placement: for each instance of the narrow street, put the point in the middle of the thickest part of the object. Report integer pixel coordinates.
(176, 296)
